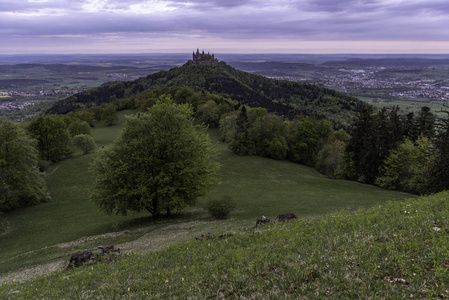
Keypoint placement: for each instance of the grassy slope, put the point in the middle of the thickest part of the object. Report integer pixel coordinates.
(392, 251)
(49, 233)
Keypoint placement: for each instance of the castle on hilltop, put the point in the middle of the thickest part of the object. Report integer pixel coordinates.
(203, 59)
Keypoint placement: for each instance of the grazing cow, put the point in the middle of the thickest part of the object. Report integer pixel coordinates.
(262, 220)
(285, 217)
(77, 259)
(207, 235)
(109, 249)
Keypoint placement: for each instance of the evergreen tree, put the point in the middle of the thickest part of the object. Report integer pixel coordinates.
(425, 123)
(438, 171)
(241, 143)
(373, 136)
(361, 152)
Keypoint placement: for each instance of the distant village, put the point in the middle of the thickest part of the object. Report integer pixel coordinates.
(15, 105)
(368, 78)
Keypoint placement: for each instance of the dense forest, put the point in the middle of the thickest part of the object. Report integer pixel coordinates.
(284, 98)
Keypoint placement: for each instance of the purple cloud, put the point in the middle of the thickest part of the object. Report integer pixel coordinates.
(308, 20)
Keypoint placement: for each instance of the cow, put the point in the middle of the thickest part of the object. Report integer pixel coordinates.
(77, 259)
(262, 220)
(109, 249)
(285, 217)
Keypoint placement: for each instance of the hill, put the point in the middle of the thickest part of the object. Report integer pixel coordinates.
(47, 234)
(285, 98)
(394, 251)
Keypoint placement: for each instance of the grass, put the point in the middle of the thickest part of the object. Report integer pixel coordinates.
(408, 105)
(41, 238)
(392, 251)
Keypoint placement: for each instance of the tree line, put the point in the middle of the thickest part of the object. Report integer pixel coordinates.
(404, 152)
(401, 152)
(28, 149)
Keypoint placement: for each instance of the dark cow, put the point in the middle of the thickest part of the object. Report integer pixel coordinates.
(207, 235)
(285, 217)
(262, 220)
(109, 249)
(77, 259)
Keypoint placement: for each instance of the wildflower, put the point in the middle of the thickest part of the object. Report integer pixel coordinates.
(166, 280)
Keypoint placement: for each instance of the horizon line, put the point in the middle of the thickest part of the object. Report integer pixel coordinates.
(232, 53)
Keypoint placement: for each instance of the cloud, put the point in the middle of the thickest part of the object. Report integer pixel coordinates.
(300, 20)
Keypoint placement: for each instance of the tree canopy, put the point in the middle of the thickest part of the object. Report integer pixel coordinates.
(21, 183)
(160, 162)
(53, 139)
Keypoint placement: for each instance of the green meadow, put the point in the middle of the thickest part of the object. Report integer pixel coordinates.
(39, 240)
(397, 250)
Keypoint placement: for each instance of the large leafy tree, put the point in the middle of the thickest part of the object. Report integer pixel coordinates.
(53, 139)
(302, 141)
(405, 168)
(161, 162)
(21, 183)
(109, 115)
(268, 135)
(85, 142)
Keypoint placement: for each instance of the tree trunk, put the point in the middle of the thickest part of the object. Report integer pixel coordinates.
(153, 209)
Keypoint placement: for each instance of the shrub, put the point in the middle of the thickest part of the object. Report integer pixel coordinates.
(85, 142)
(220, 208)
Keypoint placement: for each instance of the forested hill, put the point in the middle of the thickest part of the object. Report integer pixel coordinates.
(284, 98)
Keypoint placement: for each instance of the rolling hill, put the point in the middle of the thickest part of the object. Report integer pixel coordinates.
(285, 98)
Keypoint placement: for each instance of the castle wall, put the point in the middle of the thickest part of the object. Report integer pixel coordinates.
(203, 59)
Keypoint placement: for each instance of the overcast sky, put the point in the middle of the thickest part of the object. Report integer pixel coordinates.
(224, 26)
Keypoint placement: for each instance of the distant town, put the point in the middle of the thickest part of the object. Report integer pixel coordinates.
(413, 83)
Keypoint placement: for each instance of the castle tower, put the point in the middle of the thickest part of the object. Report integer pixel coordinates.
(203, 59)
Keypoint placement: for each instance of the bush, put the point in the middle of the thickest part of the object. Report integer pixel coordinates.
(85, 142)
(220, 208)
